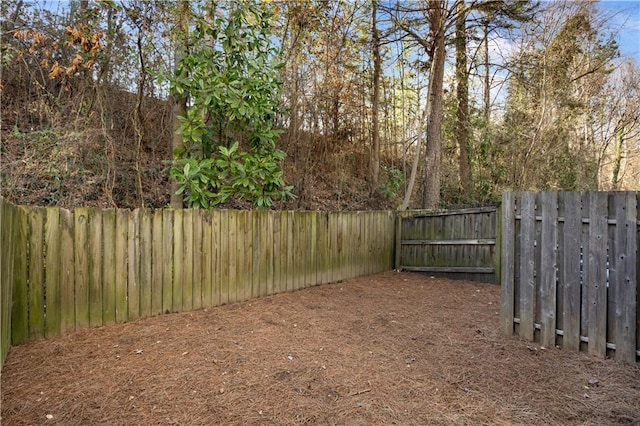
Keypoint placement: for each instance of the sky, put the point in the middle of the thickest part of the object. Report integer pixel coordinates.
(626, 17)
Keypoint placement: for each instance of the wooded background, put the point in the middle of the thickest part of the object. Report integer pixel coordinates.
(474, 97)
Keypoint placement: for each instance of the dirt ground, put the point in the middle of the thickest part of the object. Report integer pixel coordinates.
(394, 348)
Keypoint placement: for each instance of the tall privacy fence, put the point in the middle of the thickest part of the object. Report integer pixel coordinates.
(569, 270)
(567, 262)
(69, 270)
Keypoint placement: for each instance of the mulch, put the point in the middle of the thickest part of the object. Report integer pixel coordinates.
(393, 348)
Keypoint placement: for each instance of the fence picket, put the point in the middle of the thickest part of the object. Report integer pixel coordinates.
(81, 268)
(20, 306)
(374, 243)
(207, 259)
(145, 263)
(354, 234)
(157, 263)
(313, 248)
(300, 245)
(224, 256)
(7, 240)
(95, 268)
(178, 261)
(284, 250)
(133, 252)
(248, 255)
(276, 253)
(570, 280)
(624, 281)
(67, 276)
(508, 263)
(187, 269)
(548, 268)
(197, 258)
(36, 273)
(376, 246)
(53, 272)
(108, 266)
(242, 257)
(596, 274)
(291, 253)
(121, 266)
(268, 238)
(216, 253)
(584, 243)
(233, 256)
(527, 264)
(343, 240)
(367, 228)
(168, 259)
(266, 283)
(323, 247)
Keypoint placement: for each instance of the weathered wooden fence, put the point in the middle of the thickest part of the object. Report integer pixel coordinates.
(455, 244)
(569, 270)
(568, 262)
(90, 267)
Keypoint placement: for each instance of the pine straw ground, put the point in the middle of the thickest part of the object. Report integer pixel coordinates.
(394, 348)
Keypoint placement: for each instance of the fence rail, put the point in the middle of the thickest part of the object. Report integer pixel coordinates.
(89, 267)
(569, 270)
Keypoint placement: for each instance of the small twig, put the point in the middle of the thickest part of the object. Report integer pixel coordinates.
(360, 392)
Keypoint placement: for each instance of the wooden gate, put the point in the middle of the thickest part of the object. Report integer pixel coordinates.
(460, 244)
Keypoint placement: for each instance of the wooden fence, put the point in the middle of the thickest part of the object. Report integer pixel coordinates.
(90, 267)
(568, 262)
(569, 270)
(455, 244)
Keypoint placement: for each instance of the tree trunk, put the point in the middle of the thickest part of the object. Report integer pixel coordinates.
(432, 177)
(375, 104)
(179, 102)
(486, 78)
(138, 120)
(414, 166)
(616, 175)
(462, 95)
